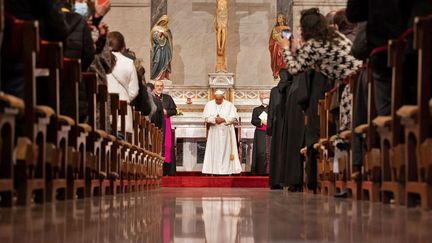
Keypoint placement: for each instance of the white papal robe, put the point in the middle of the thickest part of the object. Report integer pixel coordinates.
(221, 154)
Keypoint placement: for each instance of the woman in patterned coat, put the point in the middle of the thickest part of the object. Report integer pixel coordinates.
(324, 49)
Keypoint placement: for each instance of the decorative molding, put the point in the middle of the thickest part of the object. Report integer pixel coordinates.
(130, 5)
(316, 3)
(221, 80)
(191, 93)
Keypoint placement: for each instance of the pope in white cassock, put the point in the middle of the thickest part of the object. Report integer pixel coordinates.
(221, 155)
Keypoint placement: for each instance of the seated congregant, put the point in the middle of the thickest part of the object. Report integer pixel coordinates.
(123, 78)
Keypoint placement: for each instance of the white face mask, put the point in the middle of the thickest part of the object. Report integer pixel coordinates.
(81, 8)
(266, 101)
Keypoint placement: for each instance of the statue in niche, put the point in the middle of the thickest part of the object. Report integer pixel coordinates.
(221, 23)
(277, 61)
(161, 50)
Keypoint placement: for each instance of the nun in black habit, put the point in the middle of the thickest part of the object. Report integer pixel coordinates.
(274, 129)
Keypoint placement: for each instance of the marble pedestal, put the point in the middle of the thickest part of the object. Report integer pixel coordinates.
(222, 81)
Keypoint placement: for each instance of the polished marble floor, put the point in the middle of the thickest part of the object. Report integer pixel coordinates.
(215, 215)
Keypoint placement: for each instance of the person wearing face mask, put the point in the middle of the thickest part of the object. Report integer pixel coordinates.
(81, 7)
(261, 144)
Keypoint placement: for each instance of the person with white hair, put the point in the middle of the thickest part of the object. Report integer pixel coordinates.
(221, 154)
(261, 143)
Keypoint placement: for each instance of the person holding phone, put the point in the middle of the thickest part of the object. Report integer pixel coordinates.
(323, 49)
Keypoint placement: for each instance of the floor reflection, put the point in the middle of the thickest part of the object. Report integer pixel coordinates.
(214, 215)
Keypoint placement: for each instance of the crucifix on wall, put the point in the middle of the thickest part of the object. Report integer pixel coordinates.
(221, 22)
(226, 9)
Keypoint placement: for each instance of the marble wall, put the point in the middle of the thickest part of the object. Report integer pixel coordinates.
(132, 19)
(250, 22)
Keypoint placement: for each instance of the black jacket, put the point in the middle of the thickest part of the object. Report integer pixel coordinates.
(79, 42)
(52, 27)
(256, 121)
(158, 117)
(386, 19)
(52, 24)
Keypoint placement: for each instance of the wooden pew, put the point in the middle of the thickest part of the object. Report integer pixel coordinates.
(159, 168)
(370, 185)
(339, 179)
(107, 142)
(144, 146)
(71, 78)
(140, 152)
(126, 183)
(390, 132)
(10, 108)
(153, 161)
(134, 154)
(22, 43)
(353, 186)
(323, 170)
(417, 120)
(94, 175)
(148, 147)
(51, 57)
(116, 149)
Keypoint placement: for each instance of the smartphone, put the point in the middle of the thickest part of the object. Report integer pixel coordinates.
(101, 2)
(286, 34)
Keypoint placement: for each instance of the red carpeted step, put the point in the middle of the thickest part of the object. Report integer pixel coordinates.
(215, 181)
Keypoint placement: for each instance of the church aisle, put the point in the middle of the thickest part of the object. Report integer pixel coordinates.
(214, 215)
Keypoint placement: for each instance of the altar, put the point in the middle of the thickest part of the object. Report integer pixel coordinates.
(246, 26)
(190, 129)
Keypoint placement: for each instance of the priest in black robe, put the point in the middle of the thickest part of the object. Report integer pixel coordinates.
(293, 135)
(169, 110)
(157, 116)
(274, 129)
(261, 143)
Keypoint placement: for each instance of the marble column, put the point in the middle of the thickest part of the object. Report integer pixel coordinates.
(286, 7)
(158, 8)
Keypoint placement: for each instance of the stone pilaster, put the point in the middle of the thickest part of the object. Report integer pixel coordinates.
(158, 8)
(285, 7)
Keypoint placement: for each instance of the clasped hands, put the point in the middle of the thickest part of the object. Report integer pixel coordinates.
(219, 120)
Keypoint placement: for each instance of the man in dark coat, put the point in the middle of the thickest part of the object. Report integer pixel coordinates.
(169, 110)
(79, 45)
(312, 90)
(274, 129)
(261, 143)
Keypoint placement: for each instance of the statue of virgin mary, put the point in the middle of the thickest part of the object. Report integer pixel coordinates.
(161, 49)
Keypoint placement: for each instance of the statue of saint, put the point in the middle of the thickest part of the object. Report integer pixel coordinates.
(221, 22)
(277, 61)
(161, 49)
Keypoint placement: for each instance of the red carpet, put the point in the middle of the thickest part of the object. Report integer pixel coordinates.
(215, 181)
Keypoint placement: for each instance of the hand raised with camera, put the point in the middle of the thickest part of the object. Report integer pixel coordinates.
(102, 9)
(292, 43)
